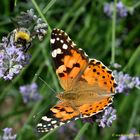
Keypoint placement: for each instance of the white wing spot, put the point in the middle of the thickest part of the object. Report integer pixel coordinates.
(46, 118)
(76, 118)
(68, 121)
(49, 124)
(39, 124)
(61, 41)
(85, 54)
(73, 44)
(61, 123)
(46, 130)
(57, 38)
(52, 41)
(85, 116)
(65, 46)
(53, 122)
(56, 51)
(69, 39)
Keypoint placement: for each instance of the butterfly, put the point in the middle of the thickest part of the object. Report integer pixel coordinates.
(89, 86)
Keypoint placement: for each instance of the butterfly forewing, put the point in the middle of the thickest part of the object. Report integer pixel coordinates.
(69, 61)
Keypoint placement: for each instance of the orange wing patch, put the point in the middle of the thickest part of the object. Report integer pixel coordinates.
(64, 111)
(97, 72)
(88, 110)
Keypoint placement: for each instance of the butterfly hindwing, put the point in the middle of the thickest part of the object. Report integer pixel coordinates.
(63, 113)
(88, 110)
(60, 114)
(97, 73)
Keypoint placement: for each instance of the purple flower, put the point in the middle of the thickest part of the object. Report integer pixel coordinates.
(108, 9)
(133, 135)
(8, 134)
(106, 119)
(30, 93)
(12, 58)
(121, 9)
(125, 82)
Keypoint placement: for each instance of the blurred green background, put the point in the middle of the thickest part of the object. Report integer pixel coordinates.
(91, 29)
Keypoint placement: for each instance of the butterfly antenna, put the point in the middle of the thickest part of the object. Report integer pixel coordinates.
(45, 83)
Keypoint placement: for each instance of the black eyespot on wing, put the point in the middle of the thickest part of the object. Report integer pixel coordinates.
(68, 70)
(62, 109)
(112, 78)
(61, 74)
(109, 71)
(114, 85)
(76, 65)
(98, 73)
(103, 67)
(98, 63)
(105, 83)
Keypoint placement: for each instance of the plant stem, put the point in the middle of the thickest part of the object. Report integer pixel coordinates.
(136, 5)
(133, 58)
(49, 6)
(82, 130)
(113, 33)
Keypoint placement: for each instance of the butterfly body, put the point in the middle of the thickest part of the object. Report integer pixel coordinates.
(88, 84)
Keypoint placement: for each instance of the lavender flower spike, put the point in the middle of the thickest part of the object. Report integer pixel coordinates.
(30, 93)
(12, 57)
(8, 134)
(107, 118)
(125, 82)
(132, 135)
(120, 8)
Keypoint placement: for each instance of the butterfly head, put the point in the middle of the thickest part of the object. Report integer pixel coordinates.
(60, 95)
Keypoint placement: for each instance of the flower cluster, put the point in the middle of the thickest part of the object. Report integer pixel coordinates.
(14, 47)
(121, 9)
(30, 92)
(8, 134)
(12, 58)
(125, 82)
(133, 135)
(36, 24)
(104, 119)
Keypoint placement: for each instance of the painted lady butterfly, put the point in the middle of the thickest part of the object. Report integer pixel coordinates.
(88, 84)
